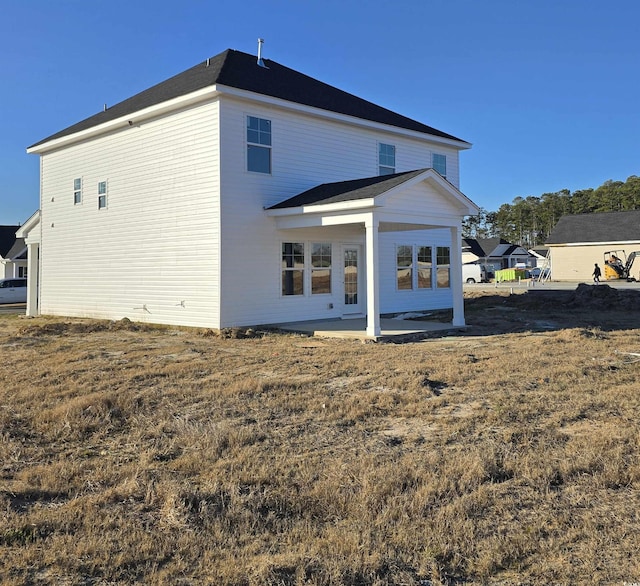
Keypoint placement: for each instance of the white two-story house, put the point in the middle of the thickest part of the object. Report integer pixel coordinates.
(241, 192)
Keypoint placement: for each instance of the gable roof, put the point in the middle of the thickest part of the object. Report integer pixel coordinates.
(240, 70)
(18, 251)
(354, 189)
(488, 245)
(600, 227)
(7, 239)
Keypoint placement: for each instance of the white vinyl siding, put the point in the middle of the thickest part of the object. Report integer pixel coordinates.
(154, 255)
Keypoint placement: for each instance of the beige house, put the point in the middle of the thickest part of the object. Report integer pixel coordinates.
(580, 241)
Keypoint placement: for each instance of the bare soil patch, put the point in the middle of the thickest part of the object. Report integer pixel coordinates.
(508, 454)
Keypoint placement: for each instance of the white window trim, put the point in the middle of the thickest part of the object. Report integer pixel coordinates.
(248, 143)
(307, 269)
(104, 195)
(414, 267)
(77, 191)
(380, 165)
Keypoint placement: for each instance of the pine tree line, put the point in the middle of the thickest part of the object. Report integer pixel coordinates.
(528, 221)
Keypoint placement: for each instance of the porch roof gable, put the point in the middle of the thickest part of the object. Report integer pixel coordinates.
(367, 192)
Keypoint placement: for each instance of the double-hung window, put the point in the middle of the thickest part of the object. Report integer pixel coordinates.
(425, 263)
(292, 268)
(258, 145)
(102, 195)
(306, 268)
(320, 268)
(77, 191)
(443, 271)
(439, 164)
(404, 267)
(386, 159)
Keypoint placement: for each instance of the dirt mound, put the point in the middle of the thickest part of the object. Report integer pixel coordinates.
(604, 298)
(60, 328)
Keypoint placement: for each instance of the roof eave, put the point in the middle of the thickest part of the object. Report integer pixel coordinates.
(342, 206)
(337, 117)
(129, 120)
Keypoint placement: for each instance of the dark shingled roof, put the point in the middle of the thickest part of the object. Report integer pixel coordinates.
(240, 70)
(347, 190)
(602, 227)
(473, 246)
(18, 251)
(7, 239)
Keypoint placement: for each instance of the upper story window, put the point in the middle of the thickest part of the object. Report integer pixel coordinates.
(77, 191)
(439, 164)
(258, 145)
(386, 159)
(102, 195)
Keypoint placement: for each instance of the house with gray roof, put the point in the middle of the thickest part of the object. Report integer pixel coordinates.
(495, 254)
(578, 242)
(241, 192)
(13, 253)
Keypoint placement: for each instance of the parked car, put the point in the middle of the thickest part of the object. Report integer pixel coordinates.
(13, 291)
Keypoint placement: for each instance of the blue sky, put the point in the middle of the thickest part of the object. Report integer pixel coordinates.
(547, 91)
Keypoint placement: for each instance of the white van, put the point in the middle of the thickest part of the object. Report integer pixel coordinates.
(13, 290)
(474, 273)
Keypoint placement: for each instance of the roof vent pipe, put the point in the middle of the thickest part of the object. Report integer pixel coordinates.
(260, 61)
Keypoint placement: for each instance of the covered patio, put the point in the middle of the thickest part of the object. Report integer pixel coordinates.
(414, 200)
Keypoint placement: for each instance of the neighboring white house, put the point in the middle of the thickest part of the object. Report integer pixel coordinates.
(238, 193)
(13, 254)
(495, 254)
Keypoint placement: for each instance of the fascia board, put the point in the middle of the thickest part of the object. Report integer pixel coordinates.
(342, 206)
(344, 118)
(607, 243)
(444, 186)
(29, 225)
(129, 120)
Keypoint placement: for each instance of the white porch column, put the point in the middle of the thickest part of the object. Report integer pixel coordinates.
(373, 277)
(456, 276)
(33, 253)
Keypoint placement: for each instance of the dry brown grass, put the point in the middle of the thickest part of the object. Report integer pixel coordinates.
(139, 455)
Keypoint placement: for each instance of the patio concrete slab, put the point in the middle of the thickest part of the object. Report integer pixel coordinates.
(357, 328)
